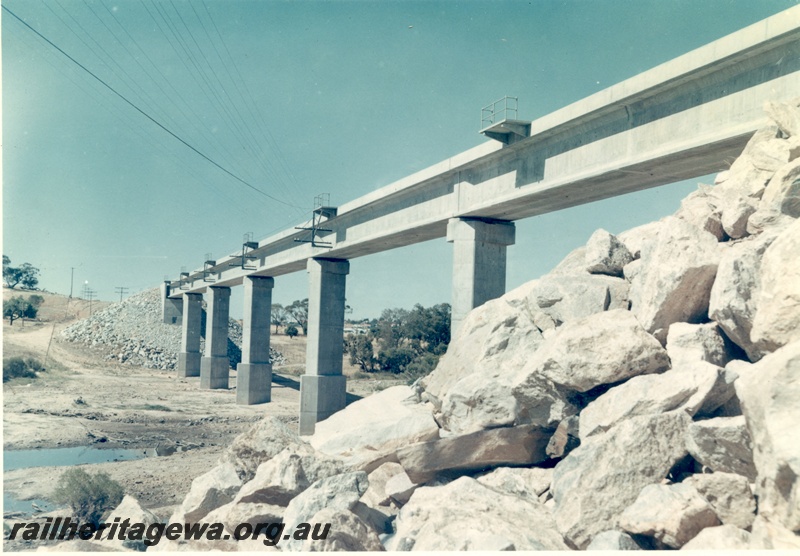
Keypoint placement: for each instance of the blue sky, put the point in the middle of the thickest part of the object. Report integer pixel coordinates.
(296, 99)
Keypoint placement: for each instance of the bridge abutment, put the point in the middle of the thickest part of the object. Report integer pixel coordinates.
(171, 309)
(215, 364)
(189, 356)
(479, 263)
(254, 373)
(322, 387)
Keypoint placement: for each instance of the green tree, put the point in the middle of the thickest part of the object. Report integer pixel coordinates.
(359, 348)
(17, 308)
(291, 331)
(298, 312)
(26, 274)
(89, 496)
(278, 315)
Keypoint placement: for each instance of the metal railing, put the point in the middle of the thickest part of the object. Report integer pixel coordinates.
(502, 109)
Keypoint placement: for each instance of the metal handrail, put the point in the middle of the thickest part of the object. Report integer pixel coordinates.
(491, 114)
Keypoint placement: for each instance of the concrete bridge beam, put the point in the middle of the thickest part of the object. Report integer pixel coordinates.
(254, 373)
(214, 365)
(189, 356)
(322, 387)
(479, 263)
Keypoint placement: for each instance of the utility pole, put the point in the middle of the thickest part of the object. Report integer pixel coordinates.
(71, 279)
(121, 290)
(90, 294)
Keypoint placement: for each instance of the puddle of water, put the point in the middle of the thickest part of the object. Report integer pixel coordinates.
(11, 504)
(20, 459)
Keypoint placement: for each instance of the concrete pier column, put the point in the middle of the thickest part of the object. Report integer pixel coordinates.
(479, 263)
(189, 356)
(322, 388)
(254, 373)
(214, 365)
(171, 309)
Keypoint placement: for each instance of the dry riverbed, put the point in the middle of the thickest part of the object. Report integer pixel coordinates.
(84, 400)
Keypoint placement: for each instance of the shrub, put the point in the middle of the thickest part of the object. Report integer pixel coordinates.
(291, 331)
(89, 496)
(17, 367)
(421, 366)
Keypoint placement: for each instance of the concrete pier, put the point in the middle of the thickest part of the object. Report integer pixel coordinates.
(171, 308)
(322, 387)
(479, 263)
(254, 373)
(214, 365)
(189, 356)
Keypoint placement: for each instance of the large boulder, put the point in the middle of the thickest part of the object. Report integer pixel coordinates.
(376, 494)
(599, 349)
(702, 209)
(523, 445)
(264, 440)
(730, 496)
(734, 295)
(465, 515)
(676, 278)
(340, 492)
(613, 540)
(527, 482)
(769, 397)
(604, 475)
(671, 514)
(687, 343)
(697, 387)
(722, 444)
(565, 298)
(722, 537)
(369, 432)
(132, 510)
(786, 116)
(777, 320)
(208, 492)
(605, 254)
(782, 194)
(769, 535)
(346, 533)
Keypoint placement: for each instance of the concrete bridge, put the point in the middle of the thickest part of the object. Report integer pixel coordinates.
(685, 118)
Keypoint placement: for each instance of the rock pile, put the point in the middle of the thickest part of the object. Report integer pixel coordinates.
(133, 332)
(644, 394)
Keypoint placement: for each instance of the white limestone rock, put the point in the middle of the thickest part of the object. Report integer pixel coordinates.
(777, 319)
(495, 337)
(735, 214)
(723, 537)
(527, 482)
(734, 295)
(672, 514)
(751, 171)
(769, 398)
(697, 387)
(632, 269)
(613, 540)
(340, 492)
(782, 194)
(376, 493)
(675, 282)
(262, 441)
(769, 535)
(785, 115)
(466, 515)
(347, 533)
(369, 431)
(636, 238)
(566, 298)
(702, 210)
(687, 343)
(723, 444)
(605, 254)
(600, 349)
(132, 510)
(400, 488)
(604, 475)
(730, 496)
(523, 445)
(208, 492)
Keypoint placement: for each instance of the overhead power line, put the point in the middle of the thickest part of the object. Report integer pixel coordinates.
(145, 114)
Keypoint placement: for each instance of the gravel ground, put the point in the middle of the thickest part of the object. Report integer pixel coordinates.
(132, 332)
